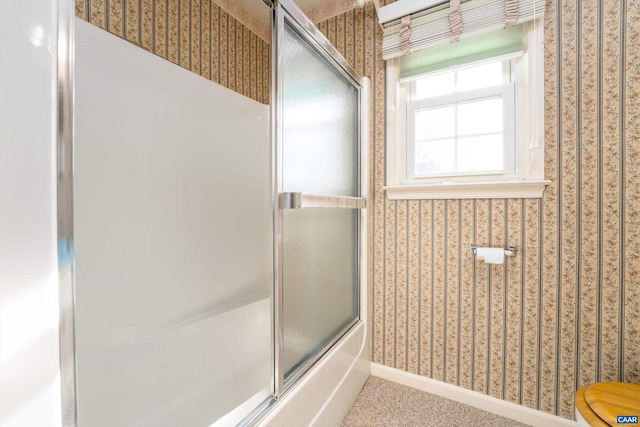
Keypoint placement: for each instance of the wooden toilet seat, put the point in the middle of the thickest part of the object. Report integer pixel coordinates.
(600, 404)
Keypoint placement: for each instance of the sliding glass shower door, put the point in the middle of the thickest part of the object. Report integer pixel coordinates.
(316, 113)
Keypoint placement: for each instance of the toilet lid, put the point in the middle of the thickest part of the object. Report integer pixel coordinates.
(611, 400)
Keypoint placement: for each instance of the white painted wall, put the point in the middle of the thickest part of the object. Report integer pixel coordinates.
(29, 368)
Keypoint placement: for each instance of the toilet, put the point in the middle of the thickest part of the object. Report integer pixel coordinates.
(608, 404)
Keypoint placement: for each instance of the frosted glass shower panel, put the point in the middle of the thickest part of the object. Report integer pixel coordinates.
(320, 272)
(320, 133)
(319, 154)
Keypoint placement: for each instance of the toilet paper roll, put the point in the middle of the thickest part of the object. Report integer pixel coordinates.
(491, 255)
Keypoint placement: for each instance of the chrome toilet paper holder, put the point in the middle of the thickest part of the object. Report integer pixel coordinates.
(509, 251)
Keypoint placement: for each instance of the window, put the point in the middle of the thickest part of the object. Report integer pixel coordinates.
(461, 122)
(471, 128)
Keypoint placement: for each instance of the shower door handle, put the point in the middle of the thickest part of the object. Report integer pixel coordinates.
(306, 201)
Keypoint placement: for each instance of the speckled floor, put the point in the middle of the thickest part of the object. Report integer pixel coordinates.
(384, 403)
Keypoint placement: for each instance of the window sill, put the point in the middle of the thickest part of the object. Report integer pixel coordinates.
(531, 189)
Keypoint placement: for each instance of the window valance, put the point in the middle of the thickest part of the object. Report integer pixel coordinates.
(453, 20)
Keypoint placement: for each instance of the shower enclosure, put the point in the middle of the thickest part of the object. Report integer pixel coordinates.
(316, 125)
(220, 256)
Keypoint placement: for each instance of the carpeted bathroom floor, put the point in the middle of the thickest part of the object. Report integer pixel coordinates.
(384, 403)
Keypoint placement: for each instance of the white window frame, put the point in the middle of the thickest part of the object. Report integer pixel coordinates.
(504, 91)
(527, 179)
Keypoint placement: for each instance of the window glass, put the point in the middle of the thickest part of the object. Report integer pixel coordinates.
(459, 80)
(479, 76)
(435, 85)
(478, 117)
(480, 153)
(436, 123)
(435, 156)
(460, 138)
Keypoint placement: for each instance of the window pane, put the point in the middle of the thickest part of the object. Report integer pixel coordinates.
(435, 123)
(479, 117)
(481, 153)
(485, 75)
(435, 85)
(435, 156)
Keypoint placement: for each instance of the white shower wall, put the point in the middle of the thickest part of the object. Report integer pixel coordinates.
(29, 362)
(173, 240)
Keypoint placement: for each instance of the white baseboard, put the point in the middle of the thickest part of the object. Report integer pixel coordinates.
(478, 400)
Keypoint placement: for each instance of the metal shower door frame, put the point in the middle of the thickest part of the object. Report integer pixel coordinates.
(287, 10)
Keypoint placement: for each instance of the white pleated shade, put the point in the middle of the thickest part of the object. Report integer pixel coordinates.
(432, 27)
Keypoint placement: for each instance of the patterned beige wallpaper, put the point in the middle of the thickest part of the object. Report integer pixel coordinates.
(564, 312)
(198, 35)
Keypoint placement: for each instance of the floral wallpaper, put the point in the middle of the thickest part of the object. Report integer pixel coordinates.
(198, 35)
